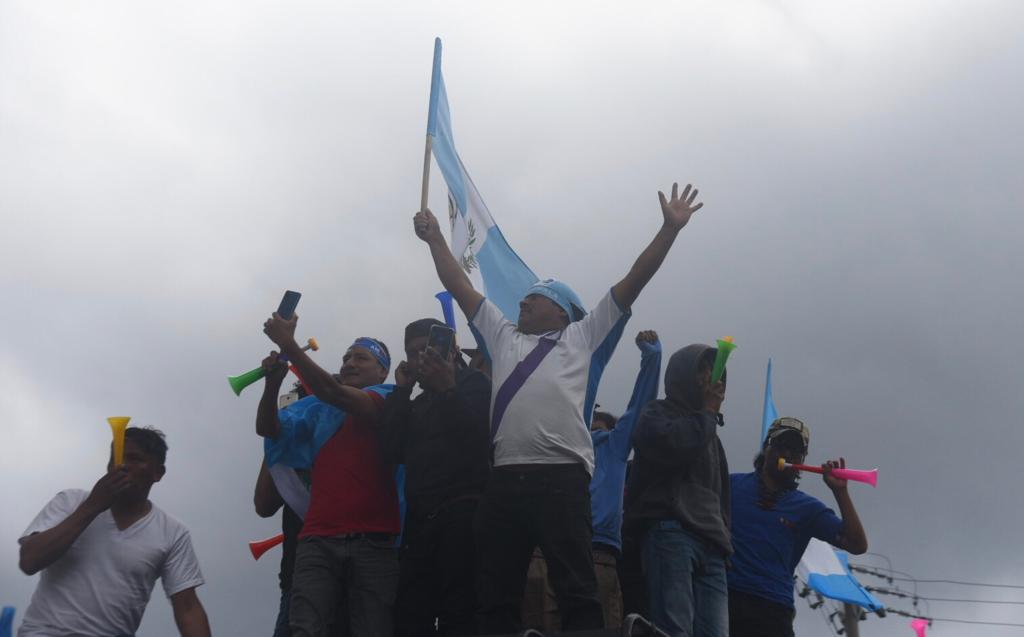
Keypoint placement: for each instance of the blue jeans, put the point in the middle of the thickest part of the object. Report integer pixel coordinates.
(686, 582)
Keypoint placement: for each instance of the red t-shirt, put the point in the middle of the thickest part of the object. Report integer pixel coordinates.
(353, 490)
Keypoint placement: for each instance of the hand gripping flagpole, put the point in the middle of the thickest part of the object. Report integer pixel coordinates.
(435, 80)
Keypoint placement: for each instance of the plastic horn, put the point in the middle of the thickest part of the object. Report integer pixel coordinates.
(857, 475)
(117, 425)
(445, 298)
(262, 546)
(725, 347)
(6, 621)
(919, 625)
(240, 382)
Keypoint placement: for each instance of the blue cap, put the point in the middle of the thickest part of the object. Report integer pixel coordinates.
(562, 295)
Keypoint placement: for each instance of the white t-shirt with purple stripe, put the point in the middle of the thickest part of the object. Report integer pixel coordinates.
(544, 422)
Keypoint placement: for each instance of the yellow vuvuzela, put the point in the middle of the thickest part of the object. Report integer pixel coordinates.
(117, 425)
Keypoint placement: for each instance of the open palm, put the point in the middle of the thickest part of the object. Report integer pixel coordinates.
(679, 208)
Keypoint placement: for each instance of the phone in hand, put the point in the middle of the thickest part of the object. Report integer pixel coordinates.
(441, 338)
(289, 302)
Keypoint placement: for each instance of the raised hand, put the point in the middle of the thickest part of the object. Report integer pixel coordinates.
(106, 490)
(280, 330)
(436, 373)
(402, 376)
(678, 210)
(833, 482)
(647, 341)
(274, 370)
(427, 227)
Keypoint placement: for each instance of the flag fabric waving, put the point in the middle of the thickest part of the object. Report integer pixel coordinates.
(476, 240)
(827, 571)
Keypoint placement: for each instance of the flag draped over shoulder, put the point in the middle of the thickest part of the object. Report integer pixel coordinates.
(827, 571)
(476, 240)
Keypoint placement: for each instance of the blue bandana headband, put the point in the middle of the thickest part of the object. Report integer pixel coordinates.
(375, 348)
(562, 295)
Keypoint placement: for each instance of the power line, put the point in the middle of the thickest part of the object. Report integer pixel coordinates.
(949, 581)
(904, 613)
(876, 573)
(899, 593)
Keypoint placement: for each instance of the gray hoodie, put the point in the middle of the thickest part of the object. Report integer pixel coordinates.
(680, 471)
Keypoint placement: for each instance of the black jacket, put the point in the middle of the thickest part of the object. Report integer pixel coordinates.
(679, 471)
(442, 439)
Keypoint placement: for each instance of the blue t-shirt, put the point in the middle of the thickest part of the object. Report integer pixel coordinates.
(769, 544)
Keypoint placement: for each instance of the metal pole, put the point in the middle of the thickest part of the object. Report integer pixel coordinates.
(851, 619)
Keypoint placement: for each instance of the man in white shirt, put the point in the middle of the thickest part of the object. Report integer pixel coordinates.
(538, 493)
(101, 552)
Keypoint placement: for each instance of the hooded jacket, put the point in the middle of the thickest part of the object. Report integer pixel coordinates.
(680, 470)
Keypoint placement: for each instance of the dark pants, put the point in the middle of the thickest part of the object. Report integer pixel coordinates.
(528, 506)
(362, 572)
(753, 616)
(438, 573)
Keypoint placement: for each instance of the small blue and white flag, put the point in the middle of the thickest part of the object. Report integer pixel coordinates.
(827, 571)
(476, 240)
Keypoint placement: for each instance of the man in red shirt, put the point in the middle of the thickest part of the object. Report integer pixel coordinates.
(346, 547)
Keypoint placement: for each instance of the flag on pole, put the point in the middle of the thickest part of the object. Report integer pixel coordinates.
(827, 571)
(770, 414)
(476, 240)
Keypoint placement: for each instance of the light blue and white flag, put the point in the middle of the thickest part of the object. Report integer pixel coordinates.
(770, 414)
(476, 241)
(827, 571)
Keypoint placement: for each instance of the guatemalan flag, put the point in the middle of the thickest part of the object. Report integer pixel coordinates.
(476, 241)
(825, 569)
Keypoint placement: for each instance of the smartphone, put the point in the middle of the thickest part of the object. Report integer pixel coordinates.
(289, 302)
(441, 338)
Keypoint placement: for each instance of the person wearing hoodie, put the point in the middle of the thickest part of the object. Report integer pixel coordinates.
(678, 497)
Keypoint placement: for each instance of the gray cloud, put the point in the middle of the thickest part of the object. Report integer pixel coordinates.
(165, 172)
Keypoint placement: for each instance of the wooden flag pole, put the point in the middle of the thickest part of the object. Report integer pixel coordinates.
(426, 173)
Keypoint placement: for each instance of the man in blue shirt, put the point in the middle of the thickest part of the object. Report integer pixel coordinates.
(613, 442)
(772, 522)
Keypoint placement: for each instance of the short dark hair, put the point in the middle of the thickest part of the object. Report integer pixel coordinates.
(150, 440)
(420, 328)
(606, 417)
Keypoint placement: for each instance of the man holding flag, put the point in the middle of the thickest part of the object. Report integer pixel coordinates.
(538, 493)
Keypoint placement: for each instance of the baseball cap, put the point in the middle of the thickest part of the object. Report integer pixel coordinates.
(784, 425)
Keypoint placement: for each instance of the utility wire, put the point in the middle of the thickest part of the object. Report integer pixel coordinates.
(899, 593)
(897, 611)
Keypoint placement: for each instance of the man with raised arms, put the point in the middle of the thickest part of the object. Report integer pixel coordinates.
(537, 495)
(346, 548)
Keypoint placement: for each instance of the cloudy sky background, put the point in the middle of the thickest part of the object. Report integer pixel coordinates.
(167, 170)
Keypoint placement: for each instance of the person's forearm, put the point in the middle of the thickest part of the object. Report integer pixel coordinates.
(628, 289)
(193, 623)
(40, 550)
(266, 499)
(267, 423)
(319, 380)
(452, 276)
(855, 540)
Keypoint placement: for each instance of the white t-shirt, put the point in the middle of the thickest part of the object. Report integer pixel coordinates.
(101, 586)
(544, 423)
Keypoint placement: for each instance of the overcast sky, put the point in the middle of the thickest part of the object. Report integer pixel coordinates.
(168, 169)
